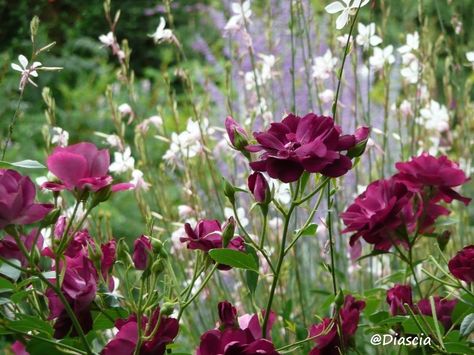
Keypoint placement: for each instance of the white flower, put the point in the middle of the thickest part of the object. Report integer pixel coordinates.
(324, 65)
(268, 61)
(411, 72)
(435, 116)
(242, 13)
(342, 40)
(405, 108)
(123, 162)
(228, 212)
(470, 57)
(59, 137)
(326, 96)
(125, 109)
(113, 140)
(156, 121)
(282, 191)
(382, 57)
(185, 211)
(26, 71)
(367, 36)
(108, 39)
(346, 8)
(412, 43)
(161, 33)
(138, 181)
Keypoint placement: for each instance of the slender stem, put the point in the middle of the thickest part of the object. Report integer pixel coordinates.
(264, 228)
(331, 241)
(12, 125)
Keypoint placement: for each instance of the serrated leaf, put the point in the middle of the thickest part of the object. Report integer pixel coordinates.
(234, 258)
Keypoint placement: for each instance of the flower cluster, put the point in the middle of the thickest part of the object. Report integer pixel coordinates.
(406, 203)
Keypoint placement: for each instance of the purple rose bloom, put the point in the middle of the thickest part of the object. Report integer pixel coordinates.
(259, 188)
(205, 236)
(10, 250)
(378, 212)
(439, 173)
(126, 339)
(79, 287)
(326, 338)
(236, 336)
(17, 200)
(142, 249)
(311, 143)
(443, 307)
(462, 264)
(397, 297)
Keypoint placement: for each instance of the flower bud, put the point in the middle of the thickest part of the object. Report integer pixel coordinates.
(443, 239)
(101, 195)
(167, 308)
(157, 245)
(228, 231)
(51, 218)
(237, 135)
(259, 188)
(229, 191)
(158, 267)
(142, 252)
(361, 139)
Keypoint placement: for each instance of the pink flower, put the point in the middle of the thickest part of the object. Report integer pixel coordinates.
(258, 186)
(440, 174)
(326, 337)
(19, 348)
(378, 212)
(311, 143)
(241, 336)
(108, 252)
(126, 339)
(79, 287)
(81, 166)
(237, 135)
(142, 252)
(10, 250)
(462, 264)
(17, 200)
(397, 297)
(443, 307)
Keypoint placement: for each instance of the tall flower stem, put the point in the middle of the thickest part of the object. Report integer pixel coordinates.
(281, 256)
(11, 126)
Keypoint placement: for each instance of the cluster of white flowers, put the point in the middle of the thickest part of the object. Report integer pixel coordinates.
(367, 37)
(346, 8)
(324, 66)
(187, 144)
(123, 162)
(382, 56)
(411, 65)
(434, 116)
(241, 14)
(59, 136)
(109, 40)
(263, 72)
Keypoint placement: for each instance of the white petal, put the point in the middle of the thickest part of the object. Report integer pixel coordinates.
(34, 73)
(16, 67)
(342, 19)
(334, 7)
(23, 61)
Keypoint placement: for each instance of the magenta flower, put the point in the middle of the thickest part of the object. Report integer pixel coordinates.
(79, 287)
(107, 261)
(440, 174)
(237, 135)
(126, 339)
(18, 348)
(326, 338)
(462, 264)
(10, 250)
(378, 212)
(142, 250)
(259, 188)
(241, 336)
(17, 200)
(81, 166)
(311, 143)
(443, 307)
(397, 297)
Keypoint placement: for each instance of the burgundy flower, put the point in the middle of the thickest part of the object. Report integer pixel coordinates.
(107, 261)
(237, 135)
(17, 200)
(311, 143)
(378, 212)
(19, 348)
(462, 264)
(397, 297)
(258, 186)
(441, 174)
(443, 307)
(79, 287)
(10, 250)
(142, 250)
(205, 236)
(81, 166)
(241, 336)
(126, 339)
(326, 337)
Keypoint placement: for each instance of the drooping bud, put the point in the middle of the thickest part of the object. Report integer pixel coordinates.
(228, 231)
(227, 314)
(142, 250)
(361, 139)
(237, 135)
(259, 188)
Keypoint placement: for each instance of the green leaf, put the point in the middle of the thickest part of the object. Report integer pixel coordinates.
(251, 277)
(457, 348)
(467, 325)
(29, 323)
(27, 164)
(234, 258)
(10, 271)
(410, 325)
(5, 285)
(310, 230)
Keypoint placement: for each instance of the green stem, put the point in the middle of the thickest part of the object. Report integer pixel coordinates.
(12, 125)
